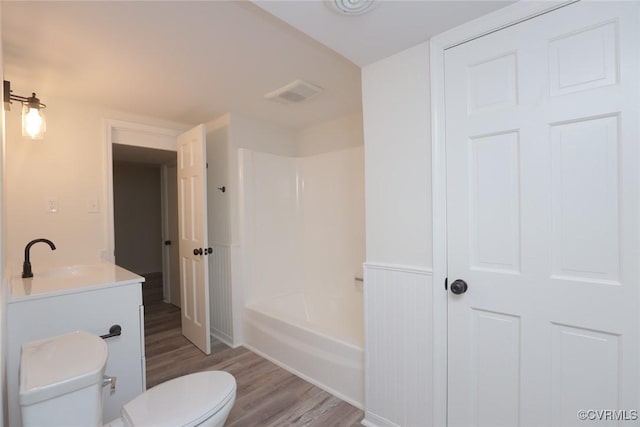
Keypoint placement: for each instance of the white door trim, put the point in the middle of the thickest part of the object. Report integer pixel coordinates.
(490, 23)
(127, 133)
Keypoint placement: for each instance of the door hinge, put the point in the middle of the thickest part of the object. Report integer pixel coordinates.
(207, 165)
(446, 283)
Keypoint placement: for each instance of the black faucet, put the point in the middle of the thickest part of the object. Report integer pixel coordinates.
(26, 266)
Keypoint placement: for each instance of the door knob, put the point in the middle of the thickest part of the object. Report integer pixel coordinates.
(208, 251)
(459, 287)
(197, 251)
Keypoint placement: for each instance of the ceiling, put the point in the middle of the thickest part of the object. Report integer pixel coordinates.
(192, 61)
(388, 28)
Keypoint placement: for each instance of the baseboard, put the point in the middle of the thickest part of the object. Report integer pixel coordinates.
(222, 337)
(373, 420)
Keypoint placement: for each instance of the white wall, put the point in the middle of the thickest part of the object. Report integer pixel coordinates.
(3, 270)
(138, 225)
(397, 132)
(221, 290)
(218, 207)
(399, 288)
(263, 136)
(69, 165)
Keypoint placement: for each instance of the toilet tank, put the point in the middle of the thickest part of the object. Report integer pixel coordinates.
(61, 380)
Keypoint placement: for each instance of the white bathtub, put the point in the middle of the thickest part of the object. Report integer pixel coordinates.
(317, 338)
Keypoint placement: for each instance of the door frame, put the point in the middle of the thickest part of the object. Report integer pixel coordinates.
(138, 135)
(168, 251)
(482, 26)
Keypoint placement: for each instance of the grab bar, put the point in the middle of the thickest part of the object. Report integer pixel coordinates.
(114, 331)
(359, 279)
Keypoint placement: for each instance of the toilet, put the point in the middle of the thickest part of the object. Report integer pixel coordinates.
(58, 388)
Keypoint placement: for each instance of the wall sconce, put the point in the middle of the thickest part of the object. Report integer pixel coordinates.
(33, 119)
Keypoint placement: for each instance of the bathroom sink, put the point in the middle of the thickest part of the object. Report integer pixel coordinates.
(70, 278)
(72, 271)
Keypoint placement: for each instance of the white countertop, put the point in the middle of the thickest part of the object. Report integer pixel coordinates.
(71, 279)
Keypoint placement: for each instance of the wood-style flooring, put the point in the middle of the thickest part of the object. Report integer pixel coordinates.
(267, 395)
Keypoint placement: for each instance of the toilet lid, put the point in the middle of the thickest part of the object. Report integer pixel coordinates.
(181, 402)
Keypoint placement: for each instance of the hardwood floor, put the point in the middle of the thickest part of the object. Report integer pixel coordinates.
(267, 395)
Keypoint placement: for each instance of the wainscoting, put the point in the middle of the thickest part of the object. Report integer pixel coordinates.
(398, 342)
(220, 293)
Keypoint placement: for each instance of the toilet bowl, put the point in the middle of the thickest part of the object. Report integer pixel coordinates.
(59, 388)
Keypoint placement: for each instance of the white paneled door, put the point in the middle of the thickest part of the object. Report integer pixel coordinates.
(542, 221)
(192, 228)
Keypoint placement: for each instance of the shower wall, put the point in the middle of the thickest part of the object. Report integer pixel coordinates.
(332, 222)
(303, 223)
(270, 236)
(272, 218)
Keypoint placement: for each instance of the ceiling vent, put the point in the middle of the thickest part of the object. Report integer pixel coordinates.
(295, 92)
(351, 7)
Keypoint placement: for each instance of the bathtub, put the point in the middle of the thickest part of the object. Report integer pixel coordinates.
(317, 338)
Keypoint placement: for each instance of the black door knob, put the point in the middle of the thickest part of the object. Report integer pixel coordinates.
(197, 251)
(207, 251)
(459, 287)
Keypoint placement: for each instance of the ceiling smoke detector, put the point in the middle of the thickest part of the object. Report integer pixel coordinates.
(351, 7)
(295, 92)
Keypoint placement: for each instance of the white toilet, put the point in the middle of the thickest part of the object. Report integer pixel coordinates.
(61, 382)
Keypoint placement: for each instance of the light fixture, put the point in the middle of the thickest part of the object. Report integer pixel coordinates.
(33, 119)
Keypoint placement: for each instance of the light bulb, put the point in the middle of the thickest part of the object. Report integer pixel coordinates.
(33, 122)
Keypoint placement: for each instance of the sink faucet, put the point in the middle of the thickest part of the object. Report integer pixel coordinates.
(26, 266)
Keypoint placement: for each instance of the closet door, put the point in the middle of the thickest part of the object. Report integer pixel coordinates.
(542, 220)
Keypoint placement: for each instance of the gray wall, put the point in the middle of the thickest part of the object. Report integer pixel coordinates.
(138, 227)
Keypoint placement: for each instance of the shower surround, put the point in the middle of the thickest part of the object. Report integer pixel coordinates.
(303, 245)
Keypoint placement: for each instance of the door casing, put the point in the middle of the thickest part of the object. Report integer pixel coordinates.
(127, 133)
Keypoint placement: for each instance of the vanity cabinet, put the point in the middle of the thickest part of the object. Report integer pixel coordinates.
(93, 299)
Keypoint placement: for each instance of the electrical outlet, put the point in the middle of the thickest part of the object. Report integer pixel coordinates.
(51, 205)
